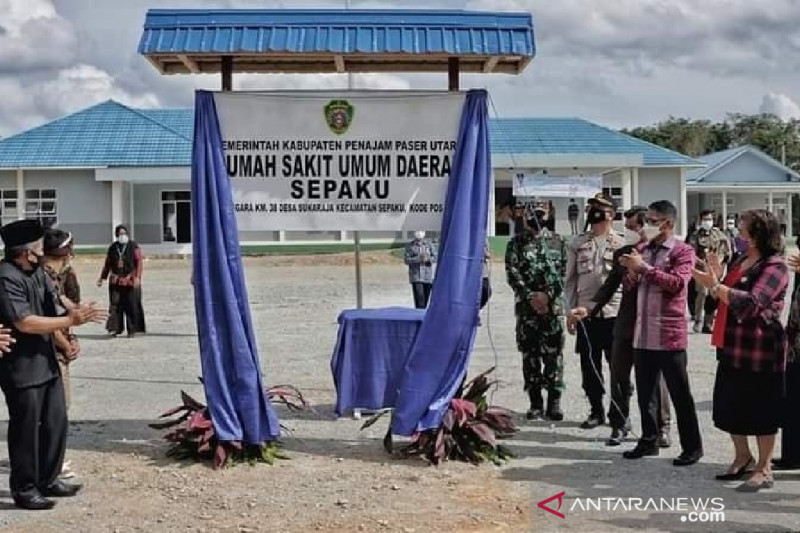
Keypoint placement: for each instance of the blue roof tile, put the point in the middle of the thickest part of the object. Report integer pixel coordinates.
(575, 136)
(337, 31)
(111, 134)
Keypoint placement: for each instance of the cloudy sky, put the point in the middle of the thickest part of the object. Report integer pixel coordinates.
(617, 62)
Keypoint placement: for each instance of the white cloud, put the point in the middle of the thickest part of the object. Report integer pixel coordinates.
(26, 104)
(780, 105)
(84, 85)
(34, 36)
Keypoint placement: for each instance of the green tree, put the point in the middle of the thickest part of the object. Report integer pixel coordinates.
(692, 137)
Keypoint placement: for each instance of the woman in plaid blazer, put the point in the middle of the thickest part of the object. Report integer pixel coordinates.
(751, 346)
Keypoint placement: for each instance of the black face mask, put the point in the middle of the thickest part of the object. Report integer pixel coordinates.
(596, 215)
(38, 262)
(519, 225)
(537, 221)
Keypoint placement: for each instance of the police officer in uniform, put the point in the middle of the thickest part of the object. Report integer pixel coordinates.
(535, 262)
(590, 260)
(29, 374)
(707, 239)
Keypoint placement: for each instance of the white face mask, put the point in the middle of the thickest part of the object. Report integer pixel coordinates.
(419, 235)
(706, 224)
(123, 239)
(651, 232)
(632, 237)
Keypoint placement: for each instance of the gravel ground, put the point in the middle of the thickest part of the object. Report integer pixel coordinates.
(338, 478)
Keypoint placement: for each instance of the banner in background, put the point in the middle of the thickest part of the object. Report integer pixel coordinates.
(326, 161)
(547, 185)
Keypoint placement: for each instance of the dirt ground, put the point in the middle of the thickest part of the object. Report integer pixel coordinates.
(339, 478)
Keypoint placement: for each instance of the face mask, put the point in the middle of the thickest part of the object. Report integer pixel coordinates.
(34, 258)
(632, 237)
(706, 225)
(537, 221)
(651, 232)
(597, 215)
(123, 239)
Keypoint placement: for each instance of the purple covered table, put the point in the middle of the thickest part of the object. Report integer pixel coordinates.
(371, 351)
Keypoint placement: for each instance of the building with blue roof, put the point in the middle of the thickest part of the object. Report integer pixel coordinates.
(111, 164)
(740, 179)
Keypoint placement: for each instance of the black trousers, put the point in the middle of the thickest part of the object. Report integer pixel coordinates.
(622, 387)
(790, 434)
(422, 293)
(37, 435)
(672, 365)
(600, 332)
(486, 292)
(125, 310)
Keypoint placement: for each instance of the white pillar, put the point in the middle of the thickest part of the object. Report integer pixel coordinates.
(682, 208)
(20, 194)
(343, 236)
(626, 182)
(770, 198)
(117, 201)
(724, 206)
(131, 209)
(635, 185)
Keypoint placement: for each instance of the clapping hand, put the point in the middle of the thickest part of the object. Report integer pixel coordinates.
(794, 262)
(632, 261)
(704, 275)
(86, 313)
(6, 340)
(713, 264)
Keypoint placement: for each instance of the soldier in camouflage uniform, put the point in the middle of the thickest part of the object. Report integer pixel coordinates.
(535, 264)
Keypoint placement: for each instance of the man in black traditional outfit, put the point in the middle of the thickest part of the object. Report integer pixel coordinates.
(29, 373)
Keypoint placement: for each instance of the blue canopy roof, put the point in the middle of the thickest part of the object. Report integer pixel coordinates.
(336, 40)
(111, 134)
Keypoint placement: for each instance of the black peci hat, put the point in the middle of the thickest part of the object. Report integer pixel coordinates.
(57, 243)
(21, 233)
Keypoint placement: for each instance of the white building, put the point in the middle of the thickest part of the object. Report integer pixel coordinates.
(739, 179)
(111, 164)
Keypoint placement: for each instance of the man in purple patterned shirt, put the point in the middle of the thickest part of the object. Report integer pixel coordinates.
(661, 269)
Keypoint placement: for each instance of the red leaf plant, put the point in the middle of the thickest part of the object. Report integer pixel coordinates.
(469, 430)
(193, 436)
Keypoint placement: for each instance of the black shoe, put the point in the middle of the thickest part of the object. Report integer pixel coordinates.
(617, 436)
(554, 411)
(33, 501)
(642, 450)
(594, 420)
(536, 410)
(59, 489)
(741, 472)
(707, 330)
(664, 440)
(534, 414)
(686, 459)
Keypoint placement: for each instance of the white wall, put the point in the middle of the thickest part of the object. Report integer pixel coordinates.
(84, 205)
(661, 184)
